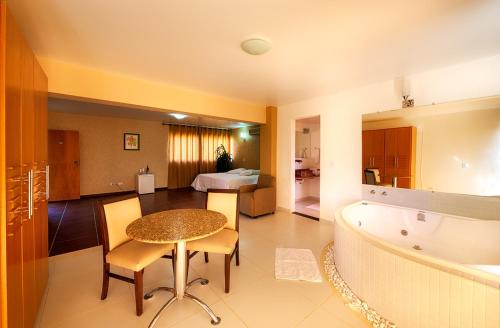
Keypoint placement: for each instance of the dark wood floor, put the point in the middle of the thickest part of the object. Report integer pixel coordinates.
(74, 225)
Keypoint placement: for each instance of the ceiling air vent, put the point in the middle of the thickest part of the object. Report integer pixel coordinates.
(254, 131)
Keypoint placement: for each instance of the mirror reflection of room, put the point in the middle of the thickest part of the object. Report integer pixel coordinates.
(307, 166)
(451, 148)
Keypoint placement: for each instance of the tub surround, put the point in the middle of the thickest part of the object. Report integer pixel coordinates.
(419, 290)
(480, 207)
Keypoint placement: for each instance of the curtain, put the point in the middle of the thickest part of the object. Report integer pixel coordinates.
(210, 139)
(192, 150)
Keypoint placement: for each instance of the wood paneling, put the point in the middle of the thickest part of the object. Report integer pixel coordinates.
(64, 162)
(24, 120)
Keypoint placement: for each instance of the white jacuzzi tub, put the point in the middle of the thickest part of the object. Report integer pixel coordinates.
(420, 268)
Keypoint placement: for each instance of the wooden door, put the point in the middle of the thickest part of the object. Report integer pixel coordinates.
(64, 163)
(22, 153)
(366, 153)
(391, 153)
(40, 182)
(373, 150)
(27, 167)
(405, 161)
(14, 258)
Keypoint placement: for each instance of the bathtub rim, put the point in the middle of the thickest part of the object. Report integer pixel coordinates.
(458, 269)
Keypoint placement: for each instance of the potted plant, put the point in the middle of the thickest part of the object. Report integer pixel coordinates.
(223, 159)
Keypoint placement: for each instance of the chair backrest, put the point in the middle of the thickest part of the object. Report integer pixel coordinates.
(227, 202)
(266, 181)
(116, 215)
(372, 176)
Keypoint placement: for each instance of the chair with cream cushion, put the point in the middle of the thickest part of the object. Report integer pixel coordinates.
(226, 241)
(121, 251)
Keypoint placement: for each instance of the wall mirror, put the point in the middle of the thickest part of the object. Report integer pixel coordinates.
(450, 147)
(302, 144)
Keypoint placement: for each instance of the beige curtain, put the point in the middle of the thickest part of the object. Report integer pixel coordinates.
(192, 150)
(210, 139)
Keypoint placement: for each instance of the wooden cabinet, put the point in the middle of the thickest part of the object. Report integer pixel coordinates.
(373, 151)
(23, 109)
(392, 151)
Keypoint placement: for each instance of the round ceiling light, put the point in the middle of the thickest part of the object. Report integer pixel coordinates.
(256, 46)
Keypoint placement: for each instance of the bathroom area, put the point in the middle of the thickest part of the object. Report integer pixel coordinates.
(307, 167)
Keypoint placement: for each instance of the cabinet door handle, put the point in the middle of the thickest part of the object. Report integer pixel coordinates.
(30, 194)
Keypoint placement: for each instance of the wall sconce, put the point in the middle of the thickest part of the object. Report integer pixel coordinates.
(244, 135)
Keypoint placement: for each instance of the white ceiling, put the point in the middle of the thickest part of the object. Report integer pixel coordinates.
(319, 46)
(95, 109)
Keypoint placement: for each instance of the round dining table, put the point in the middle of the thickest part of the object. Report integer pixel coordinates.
(177, 227)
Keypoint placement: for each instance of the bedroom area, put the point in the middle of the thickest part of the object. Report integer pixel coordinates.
(170, 159)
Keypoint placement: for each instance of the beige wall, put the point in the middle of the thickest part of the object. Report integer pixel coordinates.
(102, 158)
(341, 126)
(456, 153)
(245, 149)
(69, 80)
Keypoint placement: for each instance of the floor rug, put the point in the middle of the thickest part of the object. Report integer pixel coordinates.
(296, 264)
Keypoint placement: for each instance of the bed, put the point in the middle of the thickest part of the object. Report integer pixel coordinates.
(206, 181)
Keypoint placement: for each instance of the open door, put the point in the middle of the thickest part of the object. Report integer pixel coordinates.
(64, 163)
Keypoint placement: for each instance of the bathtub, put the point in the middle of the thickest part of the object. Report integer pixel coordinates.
(419, 268)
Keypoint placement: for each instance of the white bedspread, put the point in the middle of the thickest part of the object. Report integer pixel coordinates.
(222, 181)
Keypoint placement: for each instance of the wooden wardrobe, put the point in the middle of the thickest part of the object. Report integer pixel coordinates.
(23, 172)
(392, 152)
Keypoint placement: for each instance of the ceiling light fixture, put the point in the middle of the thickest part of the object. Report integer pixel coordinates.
(178, 115)
(256, 46)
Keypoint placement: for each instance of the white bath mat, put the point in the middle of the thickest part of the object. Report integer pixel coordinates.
(296, 264)
(314, 206)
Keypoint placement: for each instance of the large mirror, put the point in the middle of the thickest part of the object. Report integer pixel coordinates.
(453, 147)
(302, 144)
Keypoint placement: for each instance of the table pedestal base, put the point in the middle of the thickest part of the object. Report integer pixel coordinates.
(214, 319)
(181, 286)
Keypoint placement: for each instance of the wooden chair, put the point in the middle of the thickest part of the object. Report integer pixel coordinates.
(226, 241)
(120, 250)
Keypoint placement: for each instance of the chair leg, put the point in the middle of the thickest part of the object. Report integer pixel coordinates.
(173, 262)
(237, 253)
(105, 281)
(187, 265)
(138, 284)
(206, 257)
(227, 272)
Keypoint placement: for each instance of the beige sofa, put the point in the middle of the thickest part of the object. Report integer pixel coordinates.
(259, 199)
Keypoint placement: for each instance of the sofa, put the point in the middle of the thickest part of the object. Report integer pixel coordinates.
(259, 199)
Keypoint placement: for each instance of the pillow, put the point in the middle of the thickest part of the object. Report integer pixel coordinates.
(246, 172)
(236, 171)
(256, 172)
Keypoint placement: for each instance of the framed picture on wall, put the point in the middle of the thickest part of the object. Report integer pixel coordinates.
(131, 141)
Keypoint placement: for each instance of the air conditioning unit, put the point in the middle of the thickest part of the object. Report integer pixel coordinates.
(254, 131)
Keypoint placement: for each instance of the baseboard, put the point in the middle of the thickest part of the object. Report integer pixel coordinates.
(306, 216)
(118, 193)
(108, 194)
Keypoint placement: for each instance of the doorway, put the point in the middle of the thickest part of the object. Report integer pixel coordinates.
(307, 167)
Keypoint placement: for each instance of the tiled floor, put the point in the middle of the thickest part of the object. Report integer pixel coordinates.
(301, 206)
(256, 298)
(74, 225)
